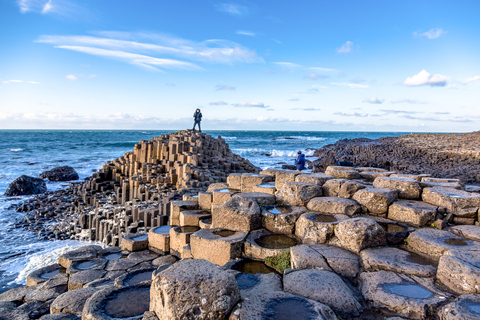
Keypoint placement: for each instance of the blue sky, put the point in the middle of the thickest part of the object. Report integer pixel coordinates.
(264, 65)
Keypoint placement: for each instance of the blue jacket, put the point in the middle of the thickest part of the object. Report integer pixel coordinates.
(300, 162)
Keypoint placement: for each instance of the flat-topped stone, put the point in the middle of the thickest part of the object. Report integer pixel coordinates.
(92, 264)
(464, 307)
(417, 177)
(179, 205)
(414, 213)
(159, 239)
(459, 270)
(431, 184)
(284, 176)
(78, 280)
(315, 178)
(298, 193)
(72, 301)
(268, 188)
(360, 233)
(376, 200)
(397, 260)
(220, 196)
(407, 296)
(317, 228)
(408, 188)
(372, 175)
(193, 217)
(248, 180)
(342, 172)
(80, 254)
(325, 257)
(140, 276)
(433, 243)
(451, 199)
(135, 242)
(237, 214)
(333, 205)
(217, 245)
(254, 284)
(43, 274)
(281, 218)
(325, 287)
(370, 169)
(341, 188)
(261, 244)
(179, 238)
(261, 198)
(466, 231)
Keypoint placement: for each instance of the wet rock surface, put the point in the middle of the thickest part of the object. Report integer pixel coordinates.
(64, 173)
(25, 185)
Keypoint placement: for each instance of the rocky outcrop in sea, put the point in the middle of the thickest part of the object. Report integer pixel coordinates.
(453, 155)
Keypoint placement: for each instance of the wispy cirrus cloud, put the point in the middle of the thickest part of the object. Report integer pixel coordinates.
(155, 51)
(424, 78)
(232, 8)
(68, 8)
(250, 105)
(220, 87)
(409, 101)
(246, 33)
(430, 34)
(71, 77)
(218, 103)
(347, 47)
(472, 79)
(394, 111)
(19, 81)
(351, 85)
(306, 109)
(351, 114)
(373, 100)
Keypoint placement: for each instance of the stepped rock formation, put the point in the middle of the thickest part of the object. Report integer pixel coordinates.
(453, 155)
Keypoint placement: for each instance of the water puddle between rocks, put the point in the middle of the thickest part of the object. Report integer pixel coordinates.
(456, 242)
(128, 304)
(188, 229)
(472, 306)
(226, 190)
(246, 280)
(418, 259)
(162, 229)
(224, 233)
(49, 275)
(87, 265)
(276, 241)
(278, 209)
(391, 227)
(113, 256)
(408, 290)
(252, 266)
(140, 237)
(265, 185)
(288, 309)
(324, 218)
(144, 276)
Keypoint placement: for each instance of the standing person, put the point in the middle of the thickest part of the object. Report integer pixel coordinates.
(197, 117)
(300, 161)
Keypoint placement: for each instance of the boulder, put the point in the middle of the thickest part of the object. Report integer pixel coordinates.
(360, 233)
(26, 185)
(298, 193)
(64, 173)
(316, 228)
(408, 188)
(333, 205)
(376, 200)
(465, 307)
(193, 289)
(237, 214)
(414, 213)
(325, 287)
(341, 188)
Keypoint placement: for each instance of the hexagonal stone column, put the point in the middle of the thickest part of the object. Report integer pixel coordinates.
(237, 214)
(315, 178)
(159, 239)
(459, 270)
(376, 200)
(342, 172)
(415, 213)
(341, 188)
(251, 179)
(317, 228)
(452, 199)
(333, 205)
(298, 193)
(359, 233)
(408, 188)
(179, 238)
(281, 219)
(135, 242)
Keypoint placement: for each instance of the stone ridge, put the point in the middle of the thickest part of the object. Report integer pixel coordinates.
(453, 155)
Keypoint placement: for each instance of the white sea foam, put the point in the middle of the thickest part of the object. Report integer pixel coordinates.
(16, 150)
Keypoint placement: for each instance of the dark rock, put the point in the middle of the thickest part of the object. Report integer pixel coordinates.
(26, 185)
(64, 173)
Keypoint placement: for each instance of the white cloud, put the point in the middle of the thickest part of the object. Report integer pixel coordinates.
(351, 85)
(373, 100)
(410, 101)
(71, 77)
(351, 114)
(423, 78)
(232, 8)
(430, 34)
(19, 81)
(472, 79)
(250, 105)
(220, 87)
(346, 48)
(320, 69)
(218, 103)
(246, 33)
(306, 109)
(287, 64)
(63, 7)
(393, 111)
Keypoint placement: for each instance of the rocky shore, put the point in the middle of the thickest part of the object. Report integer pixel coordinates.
(453, 155)
(346, 243)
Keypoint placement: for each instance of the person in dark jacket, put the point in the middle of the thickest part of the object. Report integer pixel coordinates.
(300, 161)
(197, 117)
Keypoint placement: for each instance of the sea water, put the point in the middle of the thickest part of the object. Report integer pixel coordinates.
(31, 152)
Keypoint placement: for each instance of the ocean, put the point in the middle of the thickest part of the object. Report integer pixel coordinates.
(31, 152)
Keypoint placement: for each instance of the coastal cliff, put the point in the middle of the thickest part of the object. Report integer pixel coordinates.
(453, 155)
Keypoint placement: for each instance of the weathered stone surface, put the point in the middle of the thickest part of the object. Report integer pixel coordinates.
(315, 178)
(341, 188)
(65, 173)
(16, 295)
(191, 217)
(159, 239)
(139, 276)
(9, 310)
(408, 188)
(121, 264)
(268, 188)
(459, 270)
(160, 261)
(259, 197)
(467, 232)
(434, 243)
(465, 307)
(35, 309)
(407, 296)
(217, 245)
(397, 260)
(72, 301)
(249, 180)
(333, 205)
(281, 219)
(234, 180)
(278, 305)
(215, 186)
(325, 287)
(193, 289)
(60, 316)
(44, 294)
(360, 233)
(298, 193)
(316, 228)
(113, 303)
(79, 279)
(92, 264)
(180, 238)
(342, 172)
(284, 176)
(415, 213)
(372, 175)
(256, 249)
(257, 284)
(237, 214)
(325, 257)
(376, 200)
(43, 274)
(26, 185)
(452, 199)
(80, 254)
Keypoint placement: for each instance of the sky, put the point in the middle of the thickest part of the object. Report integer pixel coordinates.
(350, 65)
